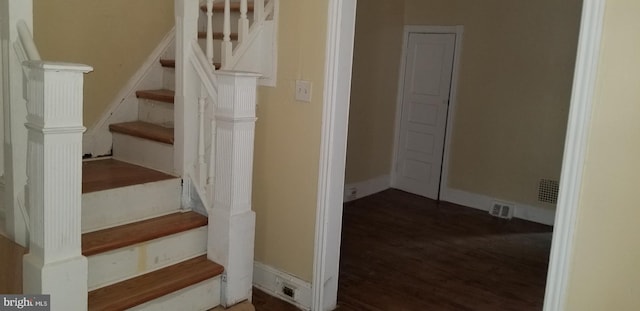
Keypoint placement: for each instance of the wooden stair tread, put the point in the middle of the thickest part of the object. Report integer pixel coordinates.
(106, 174)
(234, 7)
(161, 95)
(144, 130)
(171, 63)
(121, 236)
(152, 285)
(218, 35)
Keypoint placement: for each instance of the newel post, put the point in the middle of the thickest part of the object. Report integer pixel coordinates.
(231, 221)
(54, 264)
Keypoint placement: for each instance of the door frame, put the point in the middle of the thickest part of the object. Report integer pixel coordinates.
(333, 152)
(340, 32)
(453, 91)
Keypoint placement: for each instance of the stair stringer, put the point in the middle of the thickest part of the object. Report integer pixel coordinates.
(97, 140)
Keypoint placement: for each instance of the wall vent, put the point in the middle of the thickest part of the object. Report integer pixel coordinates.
(502, 210)
(548, 191)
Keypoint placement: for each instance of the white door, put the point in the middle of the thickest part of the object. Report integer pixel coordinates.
(425, 101)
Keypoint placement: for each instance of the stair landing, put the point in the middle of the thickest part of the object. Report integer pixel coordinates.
(106, 174)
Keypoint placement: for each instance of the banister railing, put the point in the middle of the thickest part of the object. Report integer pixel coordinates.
(26, 44)
(205, 166)
(214, 127)
(228, 54)
(26, 50)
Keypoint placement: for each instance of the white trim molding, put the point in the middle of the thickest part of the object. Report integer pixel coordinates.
(367, 187)
(482, 202)
(574, 153)
(453, 91)
(270, 280)
(333, 150)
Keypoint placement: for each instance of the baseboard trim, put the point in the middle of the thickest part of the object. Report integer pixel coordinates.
(367, 187)
(97, 140)
(482, 202)
(267, 279)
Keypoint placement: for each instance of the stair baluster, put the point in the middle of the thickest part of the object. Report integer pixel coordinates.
(258, 10)
(212, 153)
(202, 166)
(243, 22)
(227, 50)
(209, 51)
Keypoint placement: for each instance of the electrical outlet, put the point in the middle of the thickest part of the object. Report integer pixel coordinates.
(285, 289)
(351, 194)
(502, 210)
(303, 91)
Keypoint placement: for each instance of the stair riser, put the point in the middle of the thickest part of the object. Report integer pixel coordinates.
(202, 296)
(155, 112)
(147, 153)
(124, 263)
(103, 209)
(169, 78)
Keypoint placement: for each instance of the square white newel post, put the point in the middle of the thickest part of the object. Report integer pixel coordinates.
(231, 221)
(54, 264)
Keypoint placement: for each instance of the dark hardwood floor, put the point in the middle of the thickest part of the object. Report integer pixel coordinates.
(404, 252)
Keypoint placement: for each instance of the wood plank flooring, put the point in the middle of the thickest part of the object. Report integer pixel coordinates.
(10, 266)
(404, 252)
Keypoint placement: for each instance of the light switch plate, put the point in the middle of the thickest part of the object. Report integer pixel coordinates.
(303, 90)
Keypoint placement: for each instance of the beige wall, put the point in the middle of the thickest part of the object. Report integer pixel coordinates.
(287, 144)
(377, 51)
(514, 88)
(605, 272)
(513, 96)
(114, 36)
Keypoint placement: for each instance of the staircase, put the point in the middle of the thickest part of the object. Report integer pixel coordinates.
(166, 221)
(143, 250)
(147, 250)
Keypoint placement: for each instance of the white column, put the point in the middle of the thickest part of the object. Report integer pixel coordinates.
(231, 221)
(14, 114)
(54, 264)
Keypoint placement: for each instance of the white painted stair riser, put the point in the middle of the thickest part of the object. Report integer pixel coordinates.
(127, 262)
(169, 78)
(201, 296)
(144, 152)
(108, 208)
(156, 112)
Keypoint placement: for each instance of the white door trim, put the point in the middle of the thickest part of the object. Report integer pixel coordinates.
(333, 150)
(455, 73)
(333, 153)
(574, 153)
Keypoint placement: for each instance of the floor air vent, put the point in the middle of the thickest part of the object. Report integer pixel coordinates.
(502, 210)
(548, 191)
